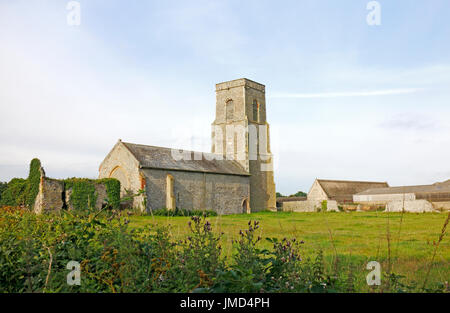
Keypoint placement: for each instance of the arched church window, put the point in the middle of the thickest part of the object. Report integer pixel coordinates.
(229, 108)
(255, 111)
(121, 175)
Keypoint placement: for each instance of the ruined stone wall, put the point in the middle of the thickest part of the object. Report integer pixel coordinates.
(53, 197)
(50, 196)
(197, 191)
(101, 197)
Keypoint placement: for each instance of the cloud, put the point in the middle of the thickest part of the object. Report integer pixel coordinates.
(386, 92)
(411, 122)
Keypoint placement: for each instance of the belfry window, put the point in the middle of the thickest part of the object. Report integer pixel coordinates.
(229, 108)
(255, 111)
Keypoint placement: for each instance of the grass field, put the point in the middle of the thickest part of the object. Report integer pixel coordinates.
(353, 238)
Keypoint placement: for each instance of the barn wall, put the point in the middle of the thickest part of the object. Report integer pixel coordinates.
(415, 206)
(442, 205)
(316, 193)
(383, 199)
(301, 206)
(198, 191)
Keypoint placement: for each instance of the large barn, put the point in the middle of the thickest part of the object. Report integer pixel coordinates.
(411, 198)
(341, 191)
(237, 177)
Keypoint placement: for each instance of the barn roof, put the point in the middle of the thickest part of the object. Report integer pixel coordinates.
(161, 158)
(289, 199)
(435, 188)
(343, 190)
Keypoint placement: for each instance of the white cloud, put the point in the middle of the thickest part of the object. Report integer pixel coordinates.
(386, 92)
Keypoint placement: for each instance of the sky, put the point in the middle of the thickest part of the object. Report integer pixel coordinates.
(345, 100)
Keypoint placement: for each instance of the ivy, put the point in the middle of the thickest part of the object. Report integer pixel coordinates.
(33, 181)
(14, 194)
(83, 195)
(112, 190)
(23, 191)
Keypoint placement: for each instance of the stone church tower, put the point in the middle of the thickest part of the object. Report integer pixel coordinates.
(240, 132)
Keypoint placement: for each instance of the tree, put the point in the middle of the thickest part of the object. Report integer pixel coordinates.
(3, 187)
(14, 194)
(299, 194)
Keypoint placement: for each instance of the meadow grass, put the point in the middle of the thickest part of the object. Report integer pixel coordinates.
(349, 239)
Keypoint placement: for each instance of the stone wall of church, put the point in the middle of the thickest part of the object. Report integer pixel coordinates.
(122, 165)
(197, 191)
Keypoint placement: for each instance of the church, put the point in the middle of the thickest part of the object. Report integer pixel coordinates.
(235, 177)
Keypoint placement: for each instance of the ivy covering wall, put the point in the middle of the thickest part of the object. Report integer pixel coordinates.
(84, 196)
(20, 191)
(33, 181)
(83, 193)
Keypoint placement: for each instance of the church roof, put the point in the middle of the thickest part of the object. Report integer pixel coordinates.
(343, 190)
(161, 158)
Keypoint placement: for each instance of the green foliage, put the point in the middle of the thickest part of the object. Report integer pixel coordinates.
(3, 187)
(323, 206)
(83, 195)
(112, 190)
(33, 181)
(36, 249)
(279, 195)
(23, 191)
(183, 212)
(14, 194)
(299, 194)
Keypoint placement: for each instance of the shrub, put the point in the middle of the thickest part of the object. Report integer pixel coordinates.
(183, 212)
(36, 249)
(20, 191)
(14, 194)
(3, 187)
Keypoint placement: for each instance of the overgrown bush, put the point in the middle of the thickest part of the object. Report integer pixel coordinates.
(20, 191)
(3, 187)
(183, 212)
(14, 194)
